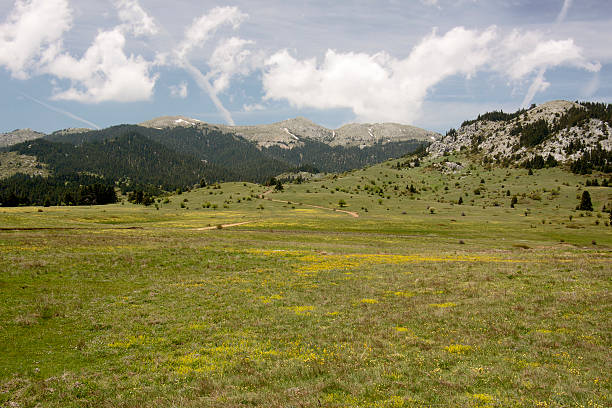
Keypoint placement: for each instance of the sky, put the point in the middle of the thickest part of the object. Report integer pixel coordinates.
(428, 63)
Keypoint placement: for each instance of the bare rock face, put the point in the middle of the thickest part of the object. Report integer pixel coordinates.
(71, 131)
(19, 136)
(286, 134)
(357, 134)
(291, 133)
(12, 163)
(170, 122)
(497, 139)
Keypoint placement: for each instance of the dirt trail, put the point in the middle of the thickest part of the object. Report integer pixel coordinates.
(351, 213)
(214, 227)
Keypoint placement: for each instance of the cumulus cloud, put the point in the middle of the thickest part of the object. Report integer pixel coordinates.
(253, 107)
(135, 18)
(104, 73)
(33, 31)
(228, 59)
(376, 87)
(380, 87)
(179, 91)
(529, 52)
(203, 27)
(31, 43)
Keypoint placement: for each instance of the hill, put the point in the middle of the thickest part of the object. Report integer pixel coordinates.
(441, 293)
(244, 158)
(130, 158)
(18, 136)
(563, 131)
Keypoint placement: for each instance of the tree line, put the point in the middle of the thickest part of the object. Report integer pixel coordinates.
(21, 189)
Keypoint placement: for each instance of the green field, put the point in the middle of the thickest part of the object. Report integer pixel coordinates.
(417, 302)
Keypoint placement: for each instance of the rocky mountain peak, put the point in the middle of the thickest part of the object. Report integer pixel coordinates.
(560, 129)
(18, 136)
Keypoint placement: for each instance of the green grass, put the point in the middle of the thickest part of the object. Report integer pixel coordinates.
(312, 307)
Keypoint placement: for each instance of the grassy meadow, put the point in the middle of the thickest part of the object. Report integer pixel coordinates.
(417, 302)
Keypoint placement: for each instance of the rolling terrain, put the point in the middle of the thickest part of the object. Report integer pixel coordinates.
(561, 130)
(449, 278)
(175, 152)
(235, 295)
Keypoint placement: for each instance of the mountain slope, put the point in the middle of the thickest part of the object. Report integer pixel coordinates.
(563, 130)
(19, 136)
(229, 151)
(246, 159)
(291, 133)
(128, 157)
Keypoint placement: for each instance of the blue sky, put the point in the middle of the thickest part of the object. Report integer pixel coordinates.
(430, 63)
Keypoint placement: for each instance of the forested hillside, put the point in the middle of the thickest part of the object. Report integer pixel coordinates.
(148, 160)
(132, 158)
(74, 189)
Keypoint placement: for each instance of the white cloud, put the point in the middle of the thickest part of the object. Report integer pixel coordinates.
(33, 31)
(525, 53)
(253, 107)
(382, 88)
(135, 18)
(376, 87)
(563, 13)
(104, 73)
(430, 2)
(205, 85)
(179, 91)
(203, 27)
(229, 59)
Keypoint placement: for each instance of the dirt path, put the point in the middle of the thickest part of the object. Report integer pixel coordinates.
(351, 213)
(214, 227)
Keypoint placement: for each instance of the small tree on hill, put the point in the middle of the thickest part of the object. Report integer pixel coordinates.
(585, 202)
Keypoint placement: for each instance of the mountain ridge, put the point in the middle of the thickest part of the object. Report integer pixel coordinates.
(564, 131)
(289, 133)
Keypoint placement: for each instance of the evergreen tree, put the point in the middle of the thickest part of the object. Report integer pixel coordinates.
(585, 202)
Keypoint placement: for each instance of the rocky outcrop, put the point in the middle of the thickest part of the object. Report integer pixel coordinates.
(501, 139)
(290, 133)
(18, 136)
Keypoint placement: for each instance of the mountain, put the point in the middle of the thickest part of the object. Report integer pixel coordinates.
(130, 157)
(240, 157)
(170, 122)
(71, 131)
(560, 130)
(173, 152)
(291, 133)
(246, 158)
(18, 136)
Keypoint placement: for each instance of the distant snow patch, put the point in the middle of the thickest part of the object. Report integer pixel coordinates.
(179, 121)
(291, 134)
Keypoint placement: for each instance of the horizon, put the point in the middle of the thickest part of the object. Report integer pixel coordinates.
(430, 64)
(283, 120)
